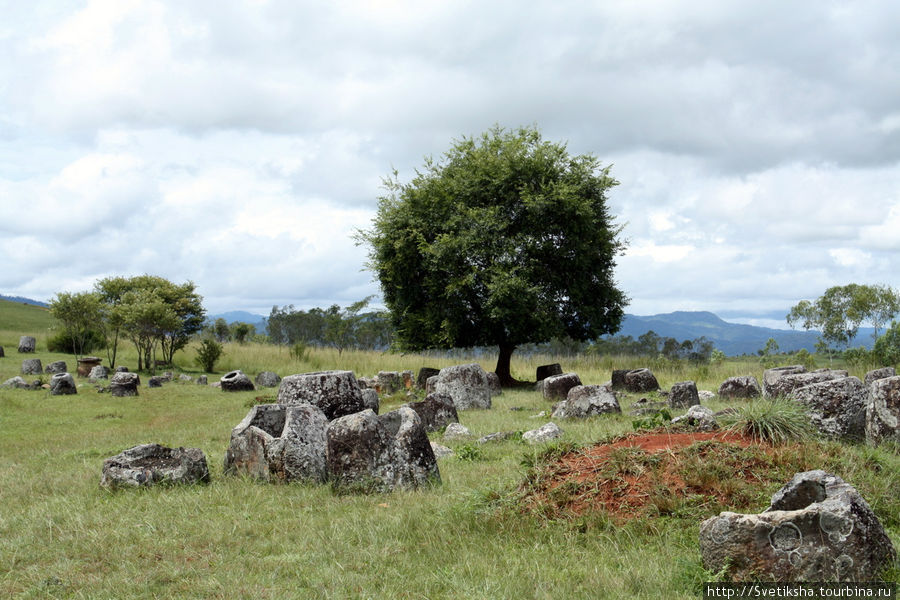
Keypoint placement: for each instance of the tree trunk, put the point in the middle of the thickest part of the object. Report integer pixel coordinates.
(502, 369)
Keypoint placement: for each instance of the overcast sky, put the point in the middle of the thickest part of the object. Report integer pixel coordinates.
(239, 144)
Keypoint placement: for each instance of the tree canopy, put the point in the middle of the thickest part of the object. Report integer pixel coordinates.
(152, 312)
(504, 241)
(839, 312)
(79, 314)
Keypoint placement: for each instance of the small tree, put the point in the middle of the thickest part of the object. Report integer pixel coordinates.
(79, 314)
(341, 325)
(887, 347)
(146, 319)
(221, 330)
(209, 352)
(240, 331)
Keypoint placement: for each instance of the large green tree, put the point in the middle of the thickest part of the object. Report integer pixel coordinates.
(842, 309)
(505, 240)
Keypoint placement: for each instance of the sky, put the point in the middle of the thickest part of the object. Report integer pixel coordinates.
(240, 144)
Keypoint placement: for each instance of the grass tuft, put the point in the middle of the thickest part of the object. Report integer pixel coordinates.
(775, 421)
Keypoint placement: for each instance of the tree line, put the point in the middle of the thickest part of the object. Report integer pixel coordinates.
(336, 327)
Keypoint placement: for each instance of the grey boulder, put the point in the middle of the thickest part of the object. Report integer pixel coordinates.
(817, 528)
(771, 377)
(275, 442)
(545, 371)
(15, 383)
(556, 387)
(837, 408)
(57, 366)
(456, 431)
(584, 401)
(99, 372)
(268, 379)
(785, 385)
(151, 464)
(745, 386)
(423, 375)
(874, 375)
(389, 382)
(436, 411)
(124, 384)
(683, 394)
(883, 411)
(27, 344)
(370, 399)
(336, 393)
(617, 380)
(543, 434)
(640, 381)
(32, 366)
(467, 385)
(494, 383)
(699, 418)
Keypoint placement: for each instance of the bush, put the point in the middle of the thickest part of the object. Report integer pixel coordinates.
(300, 352)
(887, 347)
(210, 351)
(803, 357)
(859, 357)
(775, 421)
(62, 342)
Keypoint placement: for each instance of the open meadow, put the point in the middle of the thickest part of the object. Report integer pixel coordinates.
(482, 533)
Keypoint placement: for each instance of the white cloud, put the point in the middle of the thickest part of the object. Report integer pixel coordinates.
(239, 144)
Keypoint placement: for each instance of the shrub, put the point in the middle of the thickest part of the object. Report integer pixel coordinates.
(803, 357)
(775, 421)
(210, 351)
(887, 347)
(300, 351)
(62, 342)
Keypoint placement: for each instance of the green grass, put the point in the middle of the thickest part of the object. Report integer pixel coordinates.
(18, 319)
(62, 536)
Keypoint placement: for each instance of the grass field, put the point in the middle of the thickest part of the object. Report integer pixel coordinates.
(62, 536)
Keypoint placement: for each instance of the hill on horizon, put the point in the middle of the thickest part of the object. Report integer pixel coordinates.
(23, 300)
(731, 338)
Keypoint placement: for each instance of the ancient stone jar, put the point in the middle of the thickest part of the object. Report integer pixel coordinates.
(379, 453)
(817, 528)
(467, 384)
(151, 464)
(236, 381)
(276, 442)
(86, 364)
(27, 344)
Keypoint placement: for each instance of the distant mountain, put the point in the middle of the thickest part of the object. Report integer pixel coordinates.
(22, 300)
(241, 316)
(731, 338)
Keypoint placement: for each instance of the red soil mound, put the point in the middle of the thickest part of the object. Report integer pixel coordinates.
(658, 472)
